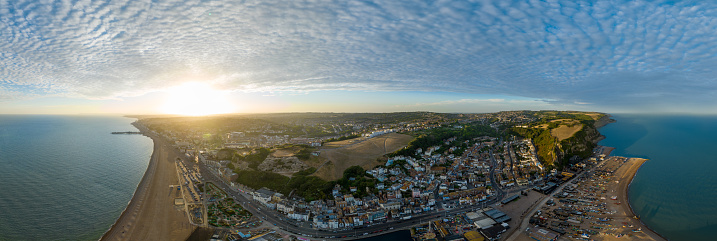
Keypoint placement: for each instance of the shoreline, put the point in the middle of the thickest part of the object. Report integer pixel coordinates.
(603, 121)
(625, 190)
(141, 186)
(150, 215)
(143, 190)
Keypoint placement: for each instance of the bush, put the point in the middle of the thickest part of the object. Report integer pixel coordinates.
(304, 154)
(343, 138)
(308, 187)
(256, 158)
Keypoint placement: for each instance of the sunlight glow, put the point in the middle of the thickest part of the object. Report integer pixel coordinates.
(196, 99)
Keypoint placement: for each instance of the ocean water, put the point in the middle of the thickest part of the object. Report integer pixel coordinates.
(675, 192)
(66, 177)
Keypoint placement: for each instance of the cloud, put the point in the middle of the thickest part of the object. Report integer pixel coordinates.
(466, 101)
(481, 105)
(606, 53)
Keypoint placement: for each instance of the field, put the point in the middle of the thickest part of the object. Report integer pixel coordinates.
(338, 156)
(565, 131)
(308, 159)
(337, 144)
(286, 152)
(593, 115)
(566, 128)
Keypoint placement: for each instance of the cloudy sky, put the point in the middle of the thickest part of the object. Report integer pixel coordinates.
(126, 56)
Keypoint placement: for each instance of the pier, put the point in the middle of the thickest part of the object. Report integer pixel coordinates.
(127, 132)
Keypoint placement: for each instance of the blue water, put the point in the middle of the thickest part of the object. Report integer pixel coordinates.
(66, 177)
(675, 192)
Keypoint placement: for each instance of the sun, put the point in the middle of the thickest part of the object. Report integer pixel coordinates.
(196, 99)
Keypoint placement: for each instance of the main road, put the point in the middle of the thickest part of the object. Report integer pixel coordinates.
(302, 229)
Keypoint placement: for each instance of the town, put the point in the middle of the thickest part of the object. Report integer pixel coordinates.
(459, 177)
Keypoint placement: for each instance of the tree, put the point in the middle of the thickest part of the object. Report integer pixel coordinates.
(354, 171)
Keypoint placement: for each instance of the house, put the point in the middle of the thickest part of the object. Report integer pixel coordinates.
(416, 193)
(337, 190)
(301, 215)
(390, 205)
(284, 207)
(263, 196)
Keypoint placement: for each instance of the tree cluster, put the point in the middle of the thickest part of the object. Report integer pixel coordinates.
(437, 137)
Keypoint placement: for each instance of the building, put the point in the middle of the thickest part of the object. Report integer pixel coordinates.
(263, 196)
(542, 234)
(473, 236)
(494, 232)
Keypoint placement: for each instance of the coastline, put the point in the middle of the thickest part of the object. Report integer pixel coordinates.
(135, 205)
(139, 191)
(603, 121)
(626, 182)
(627, 206)
(150, 215)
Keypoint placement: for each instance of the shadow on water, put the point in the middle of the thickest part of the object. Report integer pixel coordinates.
(651, 212)
(626, 134)
(702, 233)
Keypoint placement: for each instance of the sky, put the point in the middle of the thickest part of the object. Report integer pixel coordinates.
(131, 56)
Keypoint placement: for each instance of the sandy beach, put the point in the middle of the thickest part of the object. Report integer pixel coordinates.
(629, 171)
(151, 214)
(622, 218)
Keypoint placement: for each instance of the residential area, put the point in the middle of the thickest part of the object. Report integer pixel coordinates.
(457, 177)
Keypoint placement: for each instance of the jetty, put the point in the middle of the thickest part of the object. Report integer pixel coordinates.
(127, 132)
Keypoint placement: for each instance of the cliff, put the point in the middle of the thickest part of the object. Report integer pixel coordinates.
(603, 121)
(560, 152)
(581, 144)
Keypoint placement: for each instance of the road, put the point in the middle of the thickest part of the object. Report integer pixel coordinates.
(291, 226)
(303, 229)
(526, 219)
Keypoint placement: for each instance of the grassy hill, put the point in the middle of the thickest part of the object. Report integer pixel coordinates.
(561, 135)
(338, 156)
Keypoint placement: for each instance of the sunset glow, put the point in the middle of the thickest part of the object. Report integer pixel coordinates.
(196, 99)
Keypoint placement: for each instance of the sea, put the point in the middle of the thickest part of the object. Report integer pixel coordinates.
(675, 192)
(66, 177)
